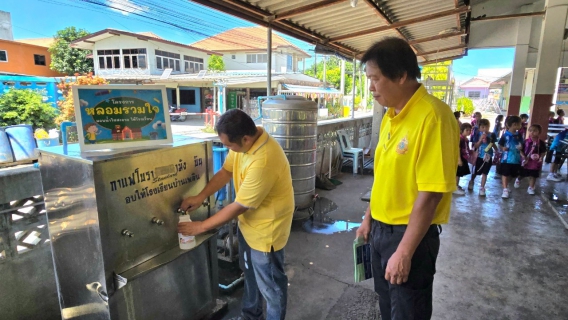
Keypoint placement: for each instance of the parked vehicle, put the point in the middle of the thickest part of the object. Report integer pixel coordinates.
(175, 114)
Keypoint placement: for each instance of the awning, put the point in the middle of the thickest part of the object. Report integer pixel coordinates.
(306, 89)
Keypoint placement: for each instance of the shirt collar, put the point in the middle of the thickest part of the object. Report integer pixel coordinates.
(418, 94)
(261, 141)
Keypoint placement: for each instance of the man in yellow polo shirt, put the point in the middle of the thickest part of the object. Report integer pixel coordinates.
(264, 206)
(415, 168)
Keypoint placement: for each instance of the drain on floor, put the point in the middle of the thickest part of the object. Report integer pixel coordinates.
(321, 223)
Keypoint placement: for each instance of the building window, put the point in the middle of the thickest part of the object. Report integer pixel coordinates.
(187, 96)
(134, 58)
(257, 58)
(166, 60)
(109, 59)
(289, 63)
(192, 64)
(39, 60)
(474, 94)
(3, 56)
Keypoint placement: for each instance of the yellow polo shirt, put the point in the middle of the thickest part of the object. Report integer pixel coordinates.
(263, 184)
(418, 150)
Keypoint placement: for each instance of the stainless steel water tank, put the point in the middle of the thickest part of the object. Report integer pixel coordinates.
(293, 123)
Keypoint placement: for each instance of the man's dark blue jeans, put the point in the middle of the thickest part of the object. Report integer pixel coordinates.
(264, 278)
(411, 300)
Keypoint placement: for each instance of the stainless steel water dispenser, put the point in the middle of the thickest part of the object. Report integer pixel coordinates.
(112, 225)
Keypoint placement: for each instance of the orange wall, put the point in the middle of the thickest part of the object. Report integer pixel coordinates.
(21, 59)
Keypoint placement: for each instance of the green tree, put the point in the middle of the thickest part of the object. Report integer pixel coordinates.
(333, 73)
(216, 63)
(26, 106)
(65, 59)
(466, 105)
(438, 72)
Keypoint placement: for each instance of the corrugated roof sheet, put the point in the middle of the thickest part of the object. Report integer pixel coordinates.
(352, 30)
(242, 39)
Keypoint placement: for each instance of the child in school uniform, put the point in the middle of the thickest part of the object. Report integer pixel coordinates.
(524, 126)
(512, 153)
(535, 151)
(485, 143)
(463, 166)
(475, 126)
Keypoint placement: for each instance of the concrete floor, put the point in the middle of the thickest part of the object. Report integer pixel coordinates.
(499, 259)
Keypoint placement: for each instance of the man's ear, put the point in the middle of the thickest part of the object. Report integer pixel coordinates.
(402, 79)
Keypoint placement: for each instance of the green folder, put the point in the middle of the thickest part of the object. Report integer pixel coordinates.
(362, 259)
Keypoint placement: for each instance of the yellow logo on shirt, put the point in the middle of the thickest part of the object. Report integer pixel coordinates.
(402, 146)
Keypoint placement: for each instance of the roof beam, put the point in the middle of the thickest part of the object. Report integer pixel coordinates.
(461, 46)
(254, 14)
(510, 16)
(247, 7)
(304, 9)
(441, 59)
(386, 20)
(437, 37)
(403, 23)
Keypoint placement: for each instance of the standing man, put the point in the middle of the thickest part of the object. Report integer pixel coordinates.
(264, 206)
(415, 167)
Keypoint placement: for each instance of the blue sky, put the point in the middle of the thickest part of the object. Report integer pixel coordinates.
(42, 18)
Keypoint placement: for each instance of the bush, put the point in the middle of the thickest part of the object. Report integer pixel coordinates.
(465, 105)
(334, 109)
(26, 106)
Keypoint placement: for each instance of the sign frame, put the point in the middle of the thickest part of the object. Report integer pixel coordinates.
(165, 124)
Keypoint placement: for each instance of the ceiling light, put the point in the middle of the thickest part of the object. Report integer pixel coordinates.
(354, 3)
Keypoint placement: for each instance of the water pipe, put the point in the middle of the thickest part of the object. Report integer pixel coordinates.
(64, 126)
(281, 96)
(232, 285)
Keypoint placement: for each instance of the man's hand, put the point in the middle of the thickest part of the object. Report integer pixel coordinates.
(505, 148)
(191, 203)
(460, 162)
(398, 268)
(364, 230)
(191, 228)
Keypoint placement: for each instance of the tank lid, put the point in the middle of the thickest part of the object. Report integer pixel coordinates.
(294, 103)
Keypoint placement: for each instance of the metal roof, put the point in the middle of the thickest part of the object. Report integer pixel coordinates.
(350, 27)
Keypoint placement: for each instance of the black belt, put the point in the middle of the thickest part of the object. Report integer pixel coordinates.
(402, 227)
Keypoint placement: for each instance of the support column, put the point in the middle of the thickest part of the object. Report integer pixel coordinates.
(548, 61)
(521, 53)
(269, 61)
(177, 97)
(342, 83)
(354, 86)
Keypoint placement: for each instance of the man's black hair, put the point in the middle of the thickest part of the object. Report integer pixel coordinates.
(512, 120)
(235, 124)
(457, 114)
(394, 57)
(524, 116)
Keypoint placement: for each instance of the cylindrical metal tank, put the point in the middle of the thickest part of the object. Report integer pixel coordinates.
(293, 123)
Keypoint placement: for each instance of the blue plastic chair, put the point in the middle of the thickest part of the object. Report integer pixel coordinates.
(355, 154)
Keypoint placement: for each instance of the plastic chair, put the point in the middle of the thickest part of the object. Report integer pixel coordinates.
(349, 152)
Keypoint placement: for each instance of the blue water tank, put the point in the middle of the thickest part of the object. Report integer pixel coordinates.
(5, 148)
(22, 140)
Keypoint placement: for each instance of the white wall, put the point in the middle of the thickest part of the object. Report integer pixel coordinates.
(6, 26)
(127, 42)
(240, 62)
